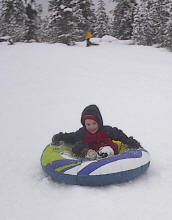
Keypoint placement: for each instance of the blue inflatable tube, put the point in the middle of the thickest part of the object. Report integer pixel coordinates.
(59, 163)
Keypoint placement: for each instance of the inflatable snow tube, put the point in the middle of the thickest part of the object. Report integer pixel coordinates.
(58, 162)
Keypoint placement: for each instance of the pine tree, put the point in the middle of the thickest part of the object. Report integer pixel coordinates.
(79, 22)
(167, 36)
(69, 20)
(88, 12)
(19, 19)
(162, 19)
(65, 17)
(151, 21)
(44, 31)
(168, 40)
(102, 25)
(13, 19)
(123, 19)
(33, 20)
(143, 26)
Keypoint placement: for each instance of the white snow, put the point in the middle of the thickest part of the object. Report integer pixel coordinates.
(5, 37)
(68, 10)
(62, 7)
(43, 90)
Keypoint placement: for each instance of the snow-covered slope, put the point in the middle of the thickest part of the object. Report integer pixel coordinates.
(44, 88)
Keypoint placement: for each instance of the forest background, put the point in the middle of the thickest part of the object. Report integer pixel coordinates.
(146, 22)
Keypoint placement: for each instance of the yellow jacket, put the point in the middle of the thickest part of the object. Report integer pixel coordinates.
(88, 35)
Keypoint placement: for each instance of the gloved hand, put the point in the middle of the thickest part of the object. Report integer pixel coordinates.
(133, 143)
(106, 151)
(57, 137)
(91, 154)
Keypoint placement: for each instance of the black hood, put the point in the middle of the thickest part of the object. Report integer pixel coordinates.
(93, 110)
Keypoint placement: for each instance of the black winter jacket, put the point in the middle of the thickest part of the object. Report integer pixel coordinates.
(113, 132)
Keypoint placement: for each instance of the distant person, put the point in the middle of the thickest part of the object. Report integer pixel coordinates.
(88, 36)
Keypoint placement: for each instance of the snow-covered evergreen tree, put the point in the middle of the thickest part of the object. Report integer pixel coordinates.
(143, 27)
(88, 12)
(13, 19)
(65, 21)
(79, 21)
(102, 25)
(162, 19)
(33, 20)
(44, 30)
(19, 19)
(123, 19)
(151, 21)
(167, 41)
(69, 20)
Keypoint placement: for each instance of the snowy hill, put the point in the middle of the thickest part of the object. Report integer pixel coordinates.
(44, 88)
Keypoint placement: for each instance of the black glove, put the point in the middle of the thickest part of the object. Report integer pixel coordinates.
(133, 143)
(57, 137)
(80, 149)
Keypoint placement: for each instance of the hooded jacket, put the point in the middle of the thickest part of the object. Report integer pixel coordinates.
(103, 137)
(88, 35)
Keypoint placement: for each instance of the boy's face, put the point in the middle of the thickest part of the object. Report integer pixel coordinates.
(91, 126)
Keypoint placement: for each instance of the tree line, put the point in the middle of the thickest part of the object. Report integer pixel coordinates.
(147, 23)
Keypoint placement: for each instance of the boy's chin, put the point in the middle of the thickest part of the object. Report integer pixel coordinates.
(93, 132)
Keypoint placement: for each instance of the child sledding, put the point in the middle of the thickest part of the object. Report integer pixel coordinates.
(94, 155)
(94, 138)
